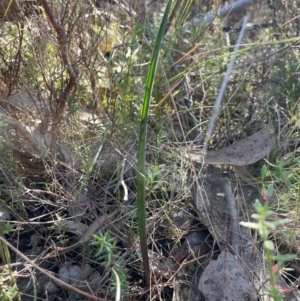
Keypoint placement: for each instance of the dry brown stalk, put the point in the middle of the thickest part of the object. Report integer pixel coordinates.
(71, 85)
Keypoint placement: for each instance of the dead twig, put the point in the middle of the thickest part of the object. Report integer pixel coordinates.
(45, 272)
(62, 39)
(86, 236)
(71, 85)
(219, 99)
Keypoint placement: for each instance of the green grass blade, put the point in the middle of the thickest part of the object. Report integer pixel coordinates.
(141, 183)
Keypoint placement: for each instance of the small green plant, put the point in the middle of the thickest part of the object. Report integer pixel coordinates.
(8, 293)
(109, 257)
(263, 225)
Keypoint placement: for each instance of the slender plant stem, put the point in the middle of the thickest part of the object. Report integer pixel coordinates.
(217, 105)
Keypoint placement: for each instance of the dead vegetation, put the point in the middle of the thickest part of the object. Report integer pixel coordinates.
(72, 78)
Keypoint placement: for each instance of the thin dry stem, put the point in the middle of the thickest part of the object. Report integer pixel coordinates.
(223, 87)
(54, 279)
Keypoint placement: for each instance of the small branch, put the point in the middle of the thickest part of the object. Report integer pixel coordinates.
(236, 8)
(45, 272)
(86, 236)
(62, 39)
(189, 105)
(71, 84)
(219, 99)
